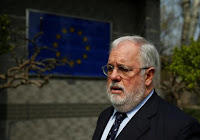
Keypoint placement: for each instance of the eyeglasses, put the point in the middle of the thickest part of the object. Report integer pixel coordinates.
(122, 70)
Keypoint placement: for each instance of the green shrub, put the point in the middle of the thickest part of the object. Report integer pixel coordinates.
(186, 64)
(193, 112)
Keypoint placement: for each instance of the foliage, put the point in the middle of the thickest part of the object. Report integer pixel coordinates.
(180, 66)
(181, 73)
(186, 64)
(5, 34)
(194, 112)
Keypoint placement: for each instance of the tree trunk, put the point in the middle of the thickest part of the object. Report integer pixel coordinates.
(194, 17)
(186, 23)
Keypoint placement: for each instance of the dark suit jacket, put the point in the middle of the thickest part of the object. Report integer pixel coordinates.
(156, 120)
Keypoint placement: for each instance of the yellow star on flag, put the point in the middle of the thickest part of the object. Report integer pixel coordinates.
(79, 32)
(85, 56)
(64, 31)
(58, 36)
(78, 61)
(85, 39)
(58, 54)
(55, 44)
(87, 48)
(64, 60)
(71, 63)
(72, 29)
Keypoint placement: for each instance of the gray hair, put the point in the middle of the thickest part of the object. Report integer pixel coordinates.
(149, 56)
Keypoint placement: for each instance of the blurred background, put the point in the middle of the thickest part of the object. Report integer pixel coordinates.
(51, 53)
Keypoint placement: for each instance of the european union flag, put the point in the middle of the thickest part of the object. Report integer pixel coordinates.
(83, 44)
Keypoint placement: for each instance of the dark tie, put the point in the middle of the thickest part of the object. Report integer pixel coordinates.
(113, 131)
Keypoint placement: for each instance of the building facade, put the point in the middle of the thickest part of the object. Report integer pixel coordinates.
(68, 107)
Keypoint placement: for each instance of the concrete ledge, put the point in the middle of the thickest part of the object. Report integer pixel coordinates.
(34, 111)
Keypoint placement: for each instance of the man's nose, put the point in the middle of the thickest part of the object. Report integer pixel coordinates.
(115, 75)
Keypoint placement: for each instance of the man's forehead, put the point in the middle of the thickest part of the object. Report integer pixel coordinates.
(124, 53)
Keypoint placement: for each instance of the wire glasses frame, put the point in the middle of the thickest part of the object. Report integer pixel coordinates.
(122, 70)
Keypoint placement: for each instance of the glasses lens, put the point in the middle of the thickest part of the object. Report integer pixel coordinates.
(107, 69)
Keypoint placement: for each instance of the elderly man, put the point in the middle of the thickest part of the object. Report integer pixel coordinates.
(137, 112)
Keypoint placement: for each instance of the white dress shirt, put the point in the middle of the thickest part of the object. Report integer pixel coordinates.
(130, 114)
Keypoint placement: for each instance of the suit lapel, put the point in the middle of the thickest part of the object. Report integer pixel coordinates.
(102, 122)
(140, 123)
(134, 129)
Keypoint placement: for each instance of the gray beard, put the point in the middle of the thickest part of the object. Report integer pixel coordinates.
(130, 101)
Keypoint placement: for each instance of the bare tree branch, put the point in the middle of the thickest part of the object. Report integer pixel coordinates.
(20, 73)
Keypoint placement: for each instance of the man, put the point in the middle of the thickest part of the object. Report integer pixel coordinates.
(137, 112)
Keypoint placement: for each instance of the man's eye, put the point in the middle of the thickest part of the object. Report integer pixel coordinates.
(122, 69)
(109, 68)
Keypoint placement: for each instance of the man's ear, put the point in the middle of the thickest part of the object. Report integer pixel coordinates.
(149, 76)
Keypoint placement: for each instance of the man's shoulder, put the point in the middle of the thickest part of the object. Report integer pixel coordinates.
(105, 114)
(176, 119)
(172, 113)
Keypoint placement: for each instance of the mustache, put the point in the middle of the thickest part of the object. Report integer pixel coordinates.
(115, 85)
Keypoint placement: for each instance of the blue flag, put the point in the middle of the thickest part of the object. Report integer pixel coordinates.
(83, 44)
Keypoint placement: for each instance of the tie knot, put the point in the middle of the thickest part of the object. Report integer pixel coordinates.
(120, 116)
